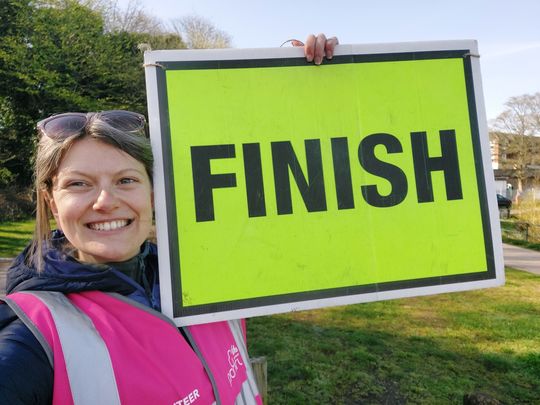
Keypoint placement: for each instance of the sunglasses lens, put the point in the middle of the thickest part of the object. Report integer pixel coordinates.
(63, 125)
(124, 120)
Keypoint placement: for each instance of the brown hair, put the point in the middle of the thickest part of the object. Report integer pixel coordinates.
(50, 152)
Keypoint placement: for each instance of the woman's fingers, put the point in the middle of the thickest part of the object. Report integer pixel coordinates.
(330, 46)
(316, 48)
(309, 47)
(319, 47)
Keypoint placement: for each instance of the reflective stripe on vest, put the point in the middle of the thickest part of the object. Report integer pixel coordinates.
(109, 350)
(82, 345)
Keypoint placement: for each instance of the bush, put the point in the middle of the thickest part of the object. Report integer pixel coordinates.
(6, 177)
(528, 216)
(16, 204)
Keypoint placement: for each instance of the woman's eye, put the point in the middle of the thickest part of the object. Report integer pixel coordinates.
(76, 184)
(127, 180)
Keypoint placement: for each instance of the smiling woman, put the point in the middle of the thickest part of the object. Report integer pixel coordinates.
(70, 145)
(104, 210)
(93, 174)
(81, 321)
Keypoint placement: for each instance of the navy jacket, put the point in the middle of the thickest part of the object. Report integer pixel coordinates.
(26, 376)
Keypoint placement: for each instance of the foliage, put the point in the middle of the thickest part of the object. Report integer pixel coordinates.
(15, 203)
(75, 55)
(57, 56)
(6, 177)
(524, 227)
(522, 243)
(528, 214)
(529, 207)
(425, 350)
(13, 48)
(516, 131)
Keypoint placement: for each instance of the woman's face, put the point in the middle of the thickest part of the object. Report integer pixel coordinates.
(102, 201)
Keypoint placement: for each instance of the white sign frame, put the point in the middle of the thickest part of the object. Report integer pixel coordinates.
(153, 62)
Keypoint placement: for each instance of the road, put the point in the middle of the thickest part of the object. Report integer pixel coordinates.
(4, 264)
(522, 259)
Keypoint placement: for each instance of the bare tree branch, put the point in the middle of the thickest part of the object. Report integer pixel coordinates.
(199, 33)
(517, 131)
(133, 18)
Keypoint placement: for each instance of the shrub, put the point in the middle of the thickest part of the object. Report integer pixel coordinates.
(16, 204)
(529, 213)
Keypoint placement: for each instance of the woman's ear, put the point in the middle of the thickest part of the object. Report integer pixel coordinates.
(48, 197)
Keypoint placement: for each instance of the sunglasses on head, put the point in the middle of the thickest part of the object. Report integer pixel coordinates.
(62, 126)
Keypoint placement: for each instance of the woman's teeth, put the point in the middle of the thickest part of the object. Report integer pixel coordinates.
(108, 226)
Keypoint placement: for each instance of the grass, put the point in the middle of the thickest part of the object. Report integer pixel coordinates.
(426, 350)
(514, 234)
(522, 243)
(14, 236)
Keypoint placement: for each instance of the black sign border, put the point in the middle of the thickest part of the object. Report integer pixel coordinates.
(174, 244)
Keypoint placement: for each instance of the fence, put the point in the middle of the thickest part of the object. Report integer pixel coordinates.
(521, 231)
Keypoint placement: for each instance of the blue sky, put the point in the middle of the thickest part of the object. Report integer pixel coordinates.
(508, 32)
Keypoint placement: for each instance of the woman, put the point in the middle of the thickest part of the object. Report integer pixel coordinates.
(80, 323)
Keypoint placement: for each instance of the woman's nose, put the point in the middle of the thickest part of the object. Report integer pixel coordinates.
(105, 201)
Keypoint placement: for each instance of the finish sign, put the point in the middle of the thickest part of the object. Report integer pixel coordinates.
(281, 186)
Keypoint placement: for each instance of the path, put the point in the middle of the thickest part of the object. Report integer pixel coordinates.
(4, 264)
(522, 259)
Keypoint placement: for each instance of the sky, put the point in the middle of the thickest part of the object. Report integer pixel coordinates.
(508, 32)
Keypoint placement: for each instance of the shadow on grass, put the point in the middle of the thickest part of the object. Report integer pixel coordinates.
(10, 231)
(11, 247)
(310, 363)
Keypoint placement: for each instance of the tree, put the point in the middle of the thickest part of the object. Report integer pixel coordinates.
(517, 131)
(57, 56)
(132, 18)
(199, 33)
(16, 89)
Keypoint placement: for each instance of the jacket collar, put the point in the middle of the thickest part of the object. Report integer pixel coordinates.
(64, 273)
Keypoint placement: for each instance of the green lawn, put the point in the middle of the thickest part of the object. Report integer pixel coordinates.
(14, 236)
(522, 243)
(426, 350)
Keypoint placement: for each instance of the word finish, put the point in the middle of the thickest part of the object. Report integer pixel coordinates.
(311, 184)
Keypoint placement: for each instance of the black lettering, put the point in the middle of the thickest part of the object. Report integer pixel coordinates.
(312, 190)
(204, 181)
(342, 173)
(447, 162)
(254, 180)
(390, 172)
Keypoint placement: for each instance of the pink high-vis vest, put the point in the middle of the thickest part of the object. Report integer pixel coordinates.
(108, 349)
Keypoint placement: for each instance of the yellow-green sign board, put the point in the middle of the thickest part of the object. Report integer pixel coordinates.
(282, 186)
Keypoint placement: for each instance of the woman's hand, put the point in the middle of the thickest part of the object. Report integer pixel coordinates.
(317, 47)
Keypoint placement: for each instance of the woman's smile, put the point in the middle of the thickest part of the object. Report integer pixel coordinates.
(109, 225)
(102, 201)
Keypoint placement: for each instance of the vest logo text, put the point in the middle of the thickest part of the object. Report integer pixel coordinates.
(233, 357)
